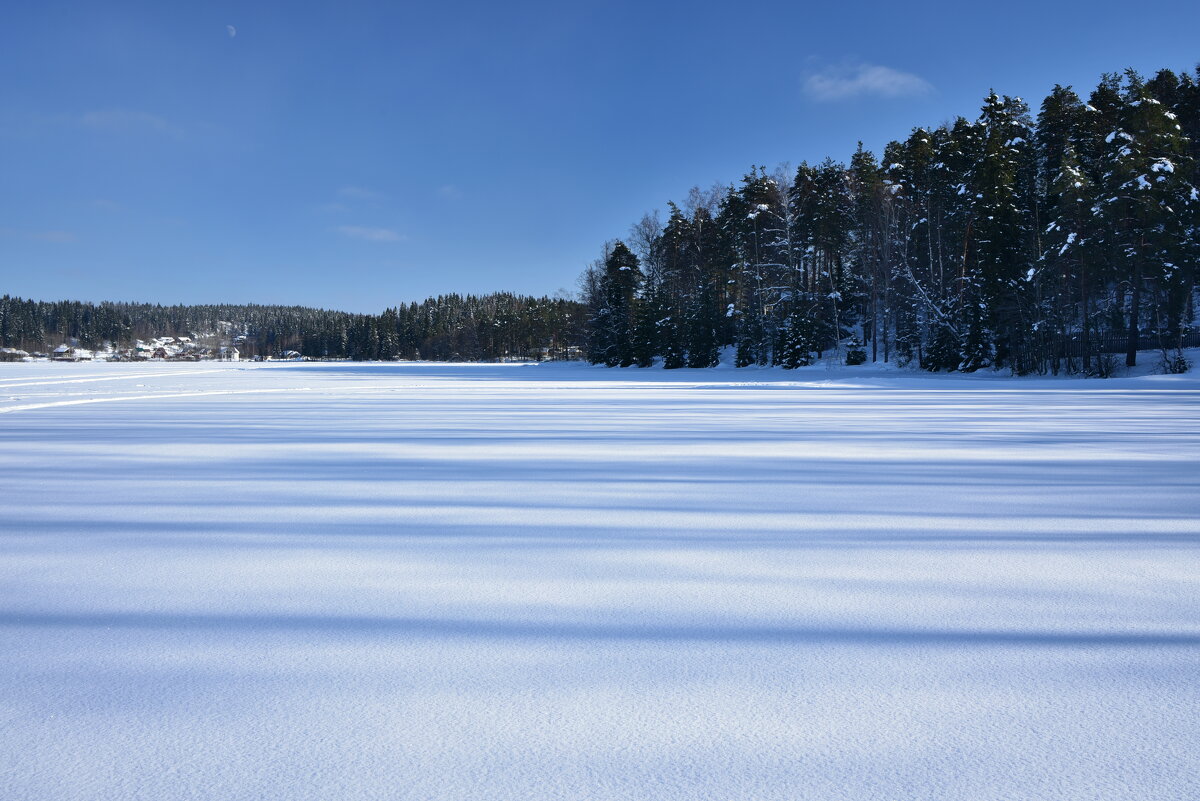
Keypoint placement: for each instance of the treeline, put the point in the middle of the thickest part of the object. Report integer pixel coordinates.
(1039, 245)
(448, 327)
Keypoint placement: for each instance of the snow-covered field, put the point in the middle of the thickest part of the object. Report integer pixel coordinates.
(341, 581)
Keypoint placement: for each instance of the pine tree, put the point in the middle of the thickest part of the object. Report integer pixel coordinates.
(703, 318)
(1060, 286)
(870, 234)
(1147, 208)
(677, 281)
(612, 320)
(1001, 253)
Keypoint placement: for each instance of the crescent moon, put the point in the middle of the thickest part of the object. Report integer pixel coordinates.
(232, 31)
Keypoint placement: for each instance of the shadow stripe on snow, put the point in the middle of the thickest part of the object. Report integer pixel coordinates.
(566, 630)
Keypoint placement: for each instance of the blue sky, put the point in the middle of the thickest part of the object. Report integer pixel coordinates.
(357, 155)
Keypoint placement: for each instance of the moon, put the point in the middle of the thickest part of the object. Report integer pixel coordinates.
(232, 31)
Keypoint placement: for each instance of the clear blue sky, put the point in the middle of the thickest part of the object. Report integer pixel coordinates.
(357, 155)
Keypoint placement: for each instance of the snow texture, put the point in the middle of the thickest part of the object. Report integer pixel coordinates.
(413, 581)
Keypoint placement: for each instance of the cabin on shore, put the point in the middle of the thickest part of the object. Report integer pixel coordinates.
(69, 353)
(13, 355)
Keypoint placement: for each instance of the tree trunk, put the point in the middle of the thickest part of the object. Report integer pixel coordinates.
(1135, 301)
(1087, 318)
(874, 322)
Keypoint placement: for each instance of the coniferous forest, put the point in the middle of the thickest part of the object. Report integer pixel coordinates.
(446, 328)
(1061, 242)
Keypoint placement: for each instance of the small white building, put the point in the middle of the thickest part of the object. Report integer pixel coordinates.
(69, 353)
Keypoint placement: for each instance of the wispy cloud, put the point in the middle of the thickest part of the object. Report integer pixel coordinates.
(125, 121)
(845, 81)
(359, 193)
(369, 234)
(54, 236)
(112, 121)
(449, 192)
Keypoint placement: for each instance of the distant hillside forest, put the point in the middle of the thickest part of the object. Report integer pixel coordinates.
(1040, 246)
(449, 327)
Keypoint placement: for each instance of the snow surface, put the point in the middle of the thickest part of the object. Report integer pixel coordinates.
(413, 581)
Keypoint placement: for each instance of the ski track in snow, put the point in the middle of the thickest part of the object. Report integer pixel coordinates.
(7, 383)
(159, 396)
(415, 581)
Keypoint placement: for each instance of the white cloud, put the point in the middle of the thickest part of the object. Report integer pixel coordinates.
(369, 234)
(450, 192)
(124, 121)
(858, 80)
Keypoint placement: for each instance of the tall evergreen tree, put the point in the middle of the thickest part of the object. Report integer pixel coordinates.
(611, 326)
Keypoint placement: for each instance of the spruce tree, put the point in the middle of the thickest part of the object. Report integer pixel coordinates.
(612, 319)
(704, 315)
(1148, 206)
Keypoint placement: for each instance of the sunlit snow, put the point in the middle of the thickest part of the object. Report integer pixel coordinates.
(407, 581)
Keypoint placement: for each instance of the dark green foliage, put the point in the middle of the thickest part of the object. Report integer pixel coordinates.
(981, 244)
(449, 327)
(611, 322)
(855, 353)
(943, 351)
(798, 342)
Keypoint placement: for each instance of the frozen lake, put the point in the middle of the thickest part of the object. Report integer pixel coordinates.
(413, 581)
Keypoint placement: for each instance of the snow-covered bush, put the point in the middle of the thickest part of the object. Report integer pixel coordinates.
(855, 354)
(1174, 362)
